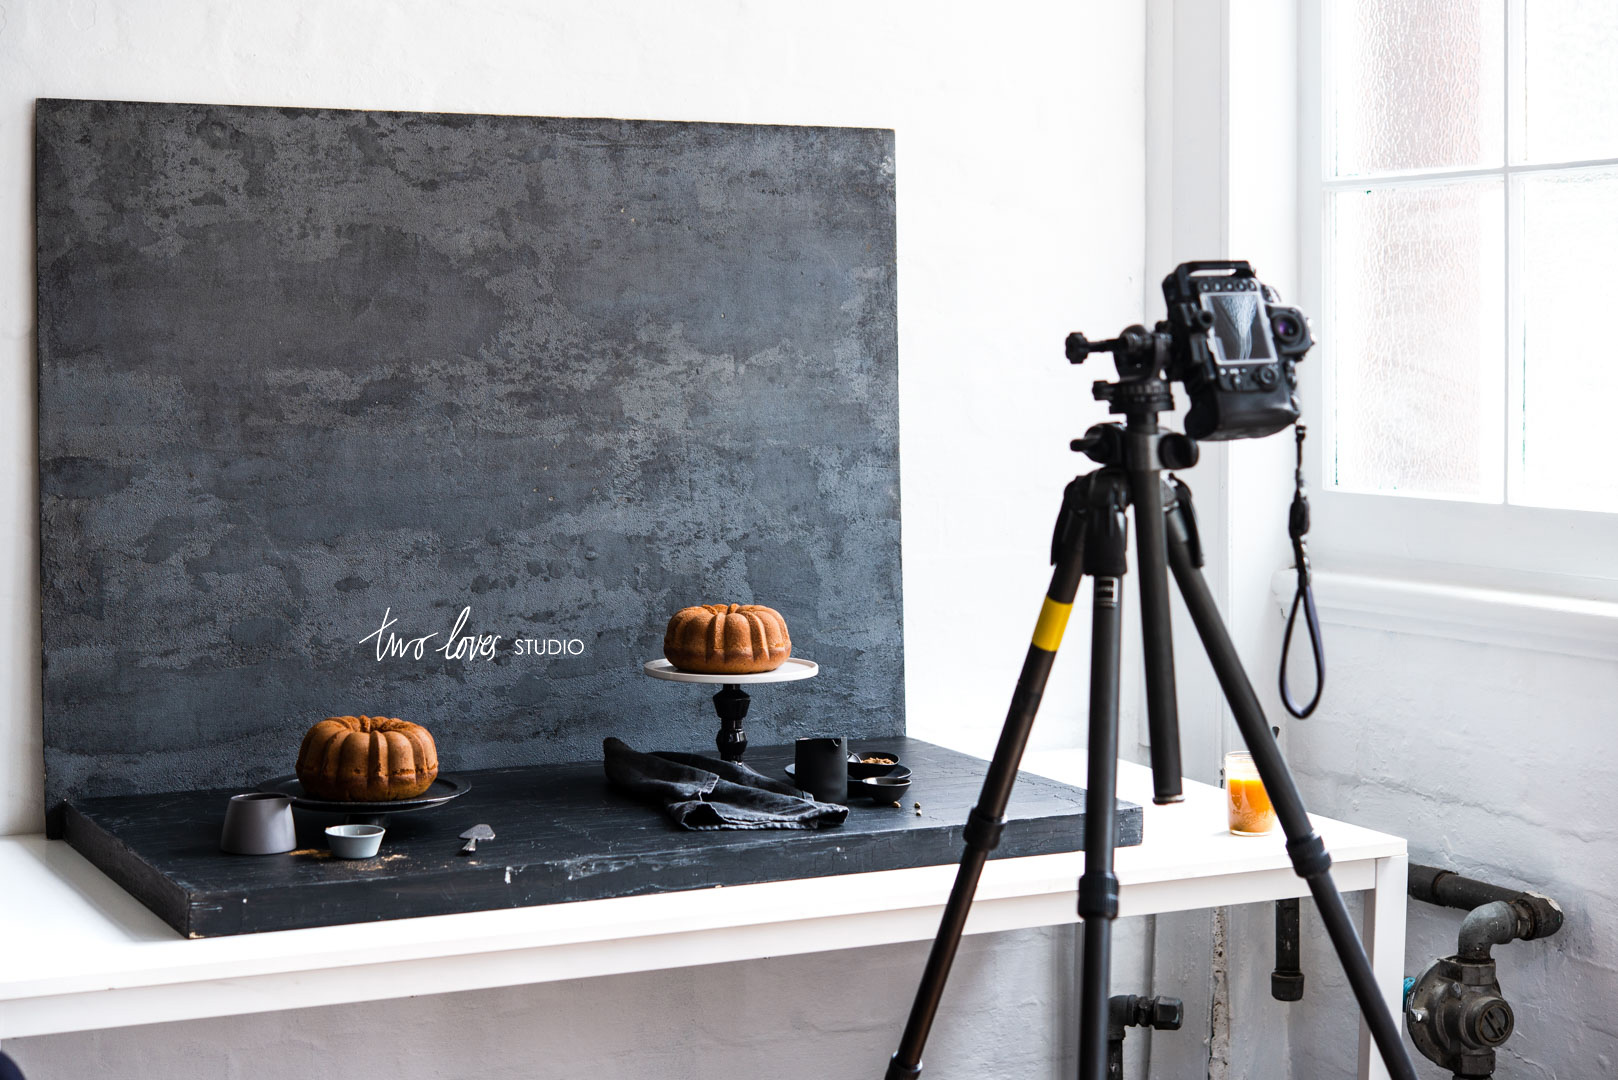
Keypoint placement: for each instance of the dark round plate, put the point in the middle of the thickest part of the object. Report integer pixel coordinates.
(442, 791)
(896, 771)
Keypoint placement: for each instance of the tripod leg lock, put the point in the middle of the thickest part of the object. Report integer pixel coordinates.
(1308, 854)
(982, 832)
(1098, 895)
(898, 1071)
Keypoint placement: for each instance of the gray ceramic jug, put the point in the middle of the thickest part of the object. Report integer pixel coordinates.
(258, 823)
(820, 767)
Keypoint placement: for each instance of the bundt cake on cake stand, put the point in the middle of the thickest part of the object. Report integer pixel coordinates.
(731, 646)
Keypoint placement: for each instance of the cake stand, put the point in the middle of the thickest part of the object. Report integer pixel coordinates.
(731, 701)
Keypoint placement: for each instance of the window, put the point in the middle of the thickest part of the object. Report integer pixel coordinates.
(1467, 190)
(1471, 206)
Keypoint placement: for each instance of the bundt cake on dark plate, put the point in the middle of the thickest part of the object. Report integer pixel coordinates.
(366, 759)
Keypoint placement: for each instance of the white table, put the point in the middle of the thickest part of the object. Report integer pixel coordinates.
(79, 953)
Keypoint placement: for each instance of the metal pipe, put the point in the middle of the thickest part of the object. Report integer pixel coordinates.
(1447, 888)
(1125, 1011)
(1492, 924)
(1457, 1015)
(1536, 915)
(1286, 981)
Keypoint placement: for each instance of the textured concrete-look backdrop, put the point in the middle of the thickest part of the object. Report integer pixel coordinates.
(299, 368)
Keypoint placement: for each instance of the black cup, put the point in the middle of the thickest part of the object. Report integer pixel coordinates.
(821, 768)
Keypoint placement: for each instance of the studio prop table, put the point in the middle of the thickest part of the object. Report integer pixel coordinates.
(80, 953)
(562, 835)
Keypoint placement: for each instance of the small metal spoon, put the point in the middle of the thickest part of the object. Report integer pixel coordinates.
(473, 835)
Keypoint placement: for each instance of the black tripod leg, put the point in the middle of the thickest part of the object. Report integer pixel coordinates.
(1098, 886)
(1304, 846)
(984, 823)
(1162, 708)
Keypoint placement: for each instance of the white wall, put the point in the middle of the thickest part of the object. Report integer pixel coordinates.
(1497, 762)
(1020, 217)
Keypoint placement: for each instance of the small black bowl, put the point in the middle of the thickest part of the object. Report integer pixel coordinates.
(883, 788)
(860, 770)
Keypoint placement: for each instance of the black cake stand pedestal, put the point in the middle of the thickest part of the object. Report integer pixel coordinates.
(731, 701)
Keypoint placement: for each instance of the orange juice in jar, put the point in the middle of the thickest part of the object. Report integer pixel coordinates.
(1250, 811)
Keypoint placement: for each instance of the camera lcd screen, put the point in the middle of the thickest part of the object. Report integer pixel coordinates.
(1240, 333)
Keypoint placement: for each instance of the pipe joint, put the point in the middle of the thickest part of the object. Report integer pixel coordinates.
(1483, 928)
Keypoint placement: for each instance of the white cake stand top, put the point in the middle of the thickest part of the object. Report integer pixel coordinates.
(793, 669)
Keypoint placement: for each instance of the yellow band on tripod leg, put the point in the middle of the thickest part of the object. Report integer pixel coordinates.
(1052, 622)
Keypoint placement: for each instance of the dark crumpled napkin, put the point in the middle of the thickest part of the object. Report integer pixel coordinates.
(704, 793)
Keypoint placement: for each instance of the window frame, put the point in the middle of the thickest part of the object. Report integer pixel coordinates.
(1500, 545)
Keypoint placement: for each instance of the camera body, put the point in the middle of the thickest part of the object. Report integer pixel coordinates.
(1235, 347)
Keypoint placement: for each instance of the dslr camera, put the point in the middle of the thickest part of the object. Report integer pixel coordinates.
(1235, 347)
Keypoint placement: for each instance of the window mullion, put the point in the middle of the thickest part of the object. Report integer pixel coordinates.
(1511, 354)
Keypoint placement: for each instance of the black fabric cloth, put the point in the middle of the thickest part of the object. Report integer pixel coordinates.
(703, 793)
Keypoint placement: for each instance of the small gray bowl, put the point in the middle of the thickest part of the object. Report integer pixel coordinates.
(355, 841)
(885, 788)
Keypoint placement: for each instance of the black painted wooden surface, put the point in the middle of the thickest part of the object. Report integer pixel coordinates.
(302, 366)
(561, 835)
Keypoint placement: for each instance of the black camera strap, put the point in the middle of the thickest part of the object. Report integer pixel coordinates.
(1298, 529)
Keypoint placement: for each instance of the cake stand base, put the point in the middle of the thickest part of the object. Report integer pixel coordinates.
(731, 705)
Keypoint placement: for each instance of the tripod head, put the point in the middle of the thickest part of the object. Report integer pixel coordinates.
(1141, 357)
(1141, 392)
(1227, 338)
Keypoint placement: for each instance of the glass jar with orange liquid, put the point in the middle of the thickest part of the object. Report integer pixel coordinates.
(1250, 811)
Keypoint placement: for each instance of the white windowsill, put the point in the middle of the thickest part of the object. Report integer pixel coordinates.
(1521, 619)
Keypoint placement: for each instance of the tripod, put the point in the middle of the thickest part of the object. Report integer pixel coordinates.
(1091, 538)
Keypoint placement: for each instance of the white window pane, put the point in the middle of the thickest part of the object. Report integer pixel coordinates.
(1569, 237)
(1416, 85)
(1417, 339)
(1567, 103)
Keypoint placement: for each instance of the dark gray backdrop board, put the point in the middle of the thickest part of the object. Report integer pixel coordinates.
(301, 367)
